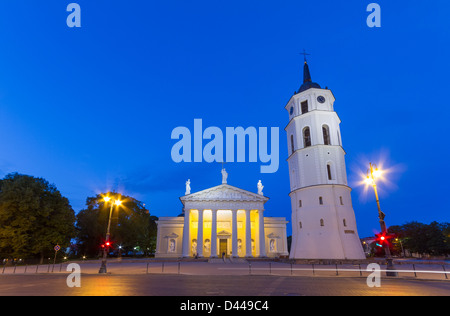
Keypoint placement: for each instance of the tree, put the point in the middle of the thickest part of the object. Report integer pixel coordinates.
(435, 239)
(431, 239)
(131, 225)
(34, 217)
(415, 237)
(446, 233)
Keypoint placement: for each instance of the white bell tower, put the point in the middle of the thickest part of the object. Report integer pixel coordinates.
(323, 220)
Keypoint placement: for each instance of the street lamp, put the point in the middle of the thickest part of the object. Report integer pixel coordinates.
(373, 174)
(107, 242)
(401, 245)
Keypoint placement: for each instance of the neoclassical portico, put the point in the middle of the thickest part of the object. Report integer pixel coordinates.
(222, 220)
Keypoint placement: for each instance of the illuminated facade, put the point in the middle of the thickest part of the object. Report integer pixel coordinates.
(222, 220)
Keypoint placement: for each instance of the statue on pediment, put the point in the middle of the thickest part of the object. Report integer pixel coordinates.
(188, 187)
(260, 188)
(224, 176)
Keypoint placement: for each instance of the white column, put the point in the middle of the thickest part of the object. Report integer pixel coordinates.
(186, 234)
(200, 234)
(262, 235)
(214, 234)
(248, 235)
(234, 245)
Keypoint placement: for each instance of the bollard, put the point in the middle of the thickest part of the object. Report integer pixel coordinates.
(337, 273)
(15, 266)
(179, 266)
(162, 268)
(360, 272)
(445, 272)
(291, 268)
(270, 267)
(313, 269)
(147, 269)
(414, 268)
(37, 267)
(250, 268)
(26, 266)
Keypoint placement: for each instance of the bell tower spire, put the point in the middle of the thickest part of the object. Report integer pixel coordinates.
(307, 81)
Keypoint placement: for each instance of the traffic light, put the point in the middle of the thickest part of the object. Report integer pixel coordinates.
(383, 239)
(106, 244)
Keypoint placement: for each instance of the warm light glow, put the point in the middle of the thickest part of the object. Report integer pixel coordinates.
(385, 174)
(118, 202)
(377, 173)
(107, 198)
(368, 180)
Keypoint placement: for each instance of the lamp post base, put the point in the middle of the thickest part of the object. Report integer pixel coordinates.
(103, 268)
(390, 269)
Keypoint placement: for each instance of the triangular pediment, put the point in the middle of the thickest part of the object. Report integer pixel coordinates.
(225, 192)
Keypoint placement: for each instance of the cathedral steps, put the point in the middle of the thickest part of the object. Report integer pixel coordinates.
(227, 260)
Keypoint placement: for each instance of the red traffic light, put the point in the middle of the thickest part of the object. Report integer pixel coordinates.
(106, 244)
(383, 238)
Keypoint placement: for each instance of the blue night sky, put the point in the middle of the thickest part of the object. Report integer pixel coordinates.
(92, 109)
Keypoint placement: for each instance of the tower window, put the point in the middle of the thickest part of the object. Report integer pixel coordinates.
(299, 203)
(341, 200)
(304, 106)
(326, 135)
(320, 200)
(292, 143)
(344, 222)
(306, 137)
(322, 222)
(300, 225)
(329, 172)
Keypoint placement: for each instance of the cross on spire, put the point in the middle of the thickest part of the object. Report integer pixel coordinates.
(304, 54)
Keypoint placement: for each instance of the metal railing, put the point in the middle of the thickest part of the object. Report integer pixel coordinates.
(434, 271)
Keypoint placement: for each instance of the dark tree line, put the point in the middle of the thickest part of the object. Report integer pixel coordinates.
(133, 229)
(425, 239)
(34, 217)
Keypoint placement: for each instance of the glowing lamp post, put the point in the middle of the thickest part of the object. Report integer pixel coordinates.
(107, 242)
(370, 180)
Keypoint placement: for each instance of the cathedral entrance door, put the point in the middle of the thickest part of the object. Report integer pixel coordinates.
(223, 247)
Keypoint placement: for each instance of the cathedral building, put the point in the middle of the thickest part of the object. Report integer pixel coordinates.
(222, 221)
